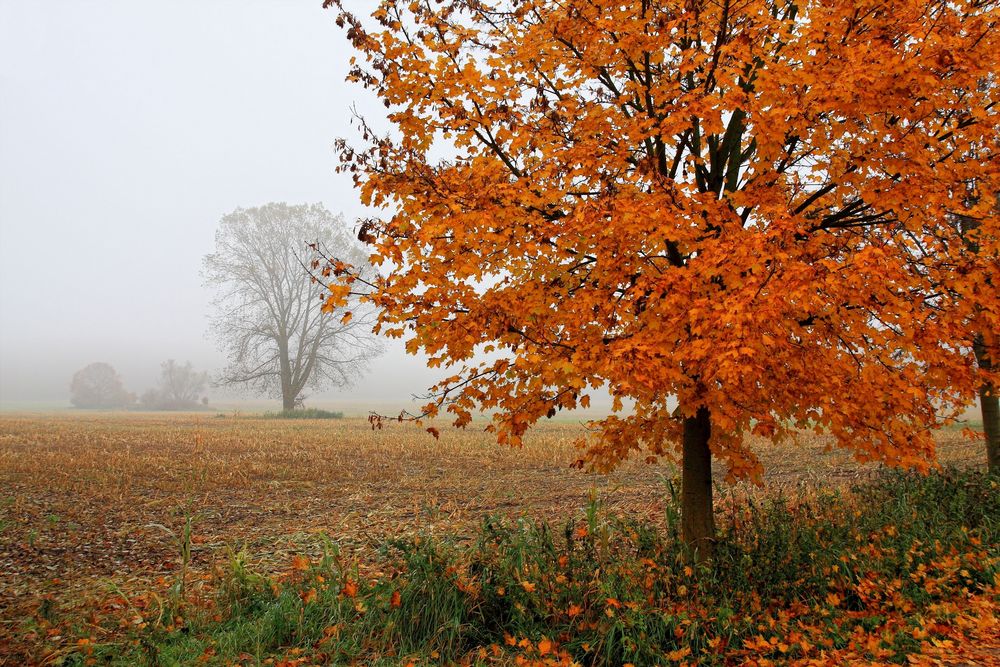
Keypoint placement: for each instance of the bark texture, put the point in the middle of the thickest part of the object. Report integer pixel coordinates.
(990, 404)
(697, 517)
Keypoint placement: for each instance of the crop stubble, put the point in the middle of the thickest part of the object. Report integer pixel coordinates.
(82, 493)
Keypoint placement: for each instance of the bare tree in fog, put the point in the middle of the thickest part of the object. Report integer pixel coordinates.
(267, 312)
(180, 387)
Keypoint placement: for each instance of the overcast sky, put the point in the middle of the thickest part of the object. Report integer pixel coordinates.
(127, 129)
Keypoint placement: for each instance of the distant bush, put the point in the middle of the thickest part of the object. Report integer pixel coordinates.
(304, 413)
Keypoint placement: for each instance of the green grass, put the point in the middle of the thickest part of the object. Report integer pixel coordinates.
(304, 413)
(609, 590)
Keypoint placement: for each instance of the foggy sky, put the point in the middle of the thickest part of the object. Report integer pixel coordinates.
(127, 129)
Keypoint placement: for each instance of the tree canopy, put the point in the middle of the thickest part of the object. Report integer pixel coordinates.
(745, 206)
(98, 386)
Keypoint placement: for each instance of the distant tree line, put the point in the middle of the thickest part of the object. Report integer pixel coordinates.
(99, 387)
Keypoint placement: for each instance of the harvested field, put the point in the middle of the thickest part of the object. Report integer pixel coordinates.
(88, 501)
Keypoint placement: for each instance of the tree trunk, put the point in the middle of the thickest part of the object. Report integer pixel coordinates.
(989, 403)
(987, 391)
(697, 518)
(287, 392)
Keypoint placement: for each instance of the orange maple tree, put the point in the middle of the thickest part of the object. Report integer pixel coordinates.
(737, 216)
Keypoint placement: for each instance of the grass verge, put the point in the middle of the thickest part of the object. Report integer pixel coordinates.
(903, 566)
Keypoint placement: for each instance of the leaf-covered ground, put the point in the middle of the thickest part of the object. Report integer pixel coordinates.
(93, 508)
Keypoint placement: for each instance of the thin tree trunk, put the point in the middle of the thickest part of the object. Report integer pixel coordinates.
(697, 518)
(991, 425)
(987, 392)
(287, 392)
(989, 404)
